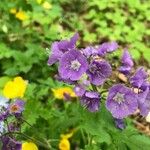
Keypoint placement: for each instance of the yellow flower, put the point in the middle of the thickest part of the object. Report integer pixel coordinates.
(15, 88)
(21, 15)
(47, 5)
(29, 146)
(59, 93)
(13, 10)
(64, 144)
(67, 136)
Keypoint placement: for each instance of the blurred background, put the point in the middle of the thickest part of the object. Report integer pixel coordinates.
(28, 27)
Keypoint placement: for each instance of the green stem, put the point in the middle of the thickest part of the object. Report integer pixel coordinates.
(27, 122)
(48, 143)
(83, 136)
(94, 87)
(104, 91)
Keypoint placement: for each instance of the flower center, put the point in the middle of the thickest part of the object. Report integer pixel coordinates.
(93, 69)
(119, 98)
(14, 108)
(75, 65)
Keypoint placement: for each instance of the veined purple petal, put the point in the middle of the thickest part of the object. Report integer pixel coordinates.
(91, 100)
(127, 59)
(72, 65)
(121, 101)
(144, 102)
(79, 90)
(61, 47)
(107, 48)
(88, 51)
(99, 71)
(138, 78)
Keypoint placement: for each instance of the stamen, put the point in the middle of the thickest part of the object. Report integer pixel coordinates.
(75, 65)
(119, 98)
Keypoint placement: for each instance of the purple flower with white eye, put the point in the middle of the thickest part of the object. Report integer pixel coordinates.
(139, 78)
(89, 51)
(127, 63)
(72, 65)
(121, 101)
(99, 71)
(91, 100)
(107, 47)
(16, 108)
(119, 123)
(59, 48)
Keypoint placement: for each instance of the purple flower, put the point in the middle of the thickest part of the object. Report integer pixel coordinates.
(127, 59)
(99, 71)
(88, 51)
(127, 63)
(4, 115)
(13, 126)
(119, 123)
(59, 48)
(144, 102)
(79, 89)
(68, 81)
(139, 78)
(125, 70)
(107, 48)
(17, 107)
(91, 101)
(145, 85)
(10, 144)
(72, 65)
(121, 101)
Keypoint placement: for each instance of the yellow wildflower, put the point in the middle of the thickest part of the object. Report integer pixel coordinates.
(15, 88)
(67, 136)
(64, 144)
(29, 146)
(59, 93)
(47, 5)
(13, 10)
(21, 15)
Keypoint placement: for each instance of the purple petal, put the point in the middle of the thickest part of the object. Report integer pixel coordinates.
(65, 70)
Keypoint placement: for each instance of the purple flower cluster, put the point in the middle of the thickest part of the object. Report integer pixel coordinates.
(89, 65)
(7, 112)
(75, 64)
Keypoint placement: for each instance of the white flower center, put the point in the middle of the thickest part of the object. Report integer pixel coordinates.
(119, 98)
(75, 65)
